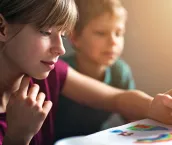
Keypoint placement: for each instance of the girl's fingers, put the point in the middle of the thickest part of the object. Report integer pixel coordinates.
(40, 99)
(23, 89)
(46, 107)
(33, 92)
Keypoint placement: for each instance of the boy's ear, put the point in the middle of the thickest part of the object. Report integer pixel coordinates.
(3, 29)
(71, 37)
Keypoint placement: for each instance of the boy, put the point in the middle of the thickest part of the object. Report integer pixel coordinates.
(98, 39)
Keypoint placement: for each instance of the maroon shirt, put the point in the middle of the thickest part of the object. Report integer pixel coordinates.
(52, 87)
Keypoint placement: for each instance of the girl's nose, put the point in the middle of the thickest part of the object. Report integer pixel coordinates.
(58, 51)
(58, 47)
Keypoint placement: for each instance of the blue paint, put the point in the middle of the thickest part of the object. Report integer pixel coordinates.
(117, 131)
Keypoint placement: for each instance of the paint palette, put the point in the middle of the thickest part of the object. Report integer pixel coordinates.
(143, 132)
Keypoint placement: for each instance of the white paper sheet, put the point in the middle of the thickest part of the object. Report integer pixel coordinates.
(143, 132)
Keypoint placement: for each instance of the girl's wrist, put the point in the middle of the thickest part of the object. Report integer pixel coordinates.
(16, 139)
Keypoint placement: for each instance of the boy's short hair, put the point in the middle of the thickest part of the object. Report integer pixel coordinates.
(89, 9)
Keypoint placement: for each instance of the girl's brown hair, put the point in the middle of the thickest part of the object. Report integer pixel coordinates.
(41, 13)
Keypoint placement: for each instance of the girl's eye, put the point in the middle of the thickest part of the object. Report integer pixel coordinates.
(63, 36)
(45, 33)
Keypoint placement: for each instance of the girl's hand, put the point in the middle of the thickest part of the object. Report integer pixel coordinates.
(26, 112)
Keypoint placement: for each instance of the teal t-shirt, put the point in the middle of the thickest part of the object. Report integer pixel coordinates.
(74, 119)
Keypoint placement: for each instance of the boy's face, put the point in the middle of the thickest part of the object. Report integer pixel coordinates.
(102, 39)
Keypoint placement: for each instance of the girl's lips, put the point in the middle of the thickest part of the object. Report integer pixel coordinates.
(49, 64)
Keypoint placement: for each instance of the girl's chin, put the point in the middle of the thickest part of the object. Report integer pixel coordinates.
(41, 76)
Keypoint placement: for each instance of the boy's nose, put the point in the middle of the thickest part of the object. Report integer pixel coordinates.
(113, 39)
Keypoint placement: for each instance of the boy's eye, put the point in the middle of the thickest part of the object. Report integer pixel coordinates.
(45, 33)
(119, 34)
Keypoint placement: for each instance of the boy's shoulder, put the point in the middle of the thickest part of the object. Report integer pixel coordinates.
(121, 75)
(120, 66)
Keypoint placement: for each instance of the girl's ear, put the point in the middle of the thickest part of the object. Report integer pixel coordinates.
(3, 29)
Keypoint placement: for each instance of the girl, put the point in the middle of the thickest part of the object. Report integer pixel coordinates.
(31, 78)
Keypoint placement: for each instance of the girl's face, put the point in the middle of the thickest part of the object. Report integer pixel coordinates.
(102, 39)
(34, 52)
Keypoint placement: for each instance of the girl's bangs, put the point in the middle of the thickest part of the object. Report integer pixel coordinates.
(63, 14)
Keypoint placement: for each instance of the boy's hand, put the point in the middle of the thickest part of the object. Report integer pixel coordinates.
(26, 112)
(161, 108)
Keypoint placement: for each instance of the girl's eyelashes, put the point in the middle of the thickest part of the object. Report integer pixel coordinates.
(63, 37)
(45, 33)
(49, 32)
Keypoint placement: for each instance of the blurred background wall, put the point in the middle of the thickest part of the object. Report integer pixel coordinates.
(148, 44)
